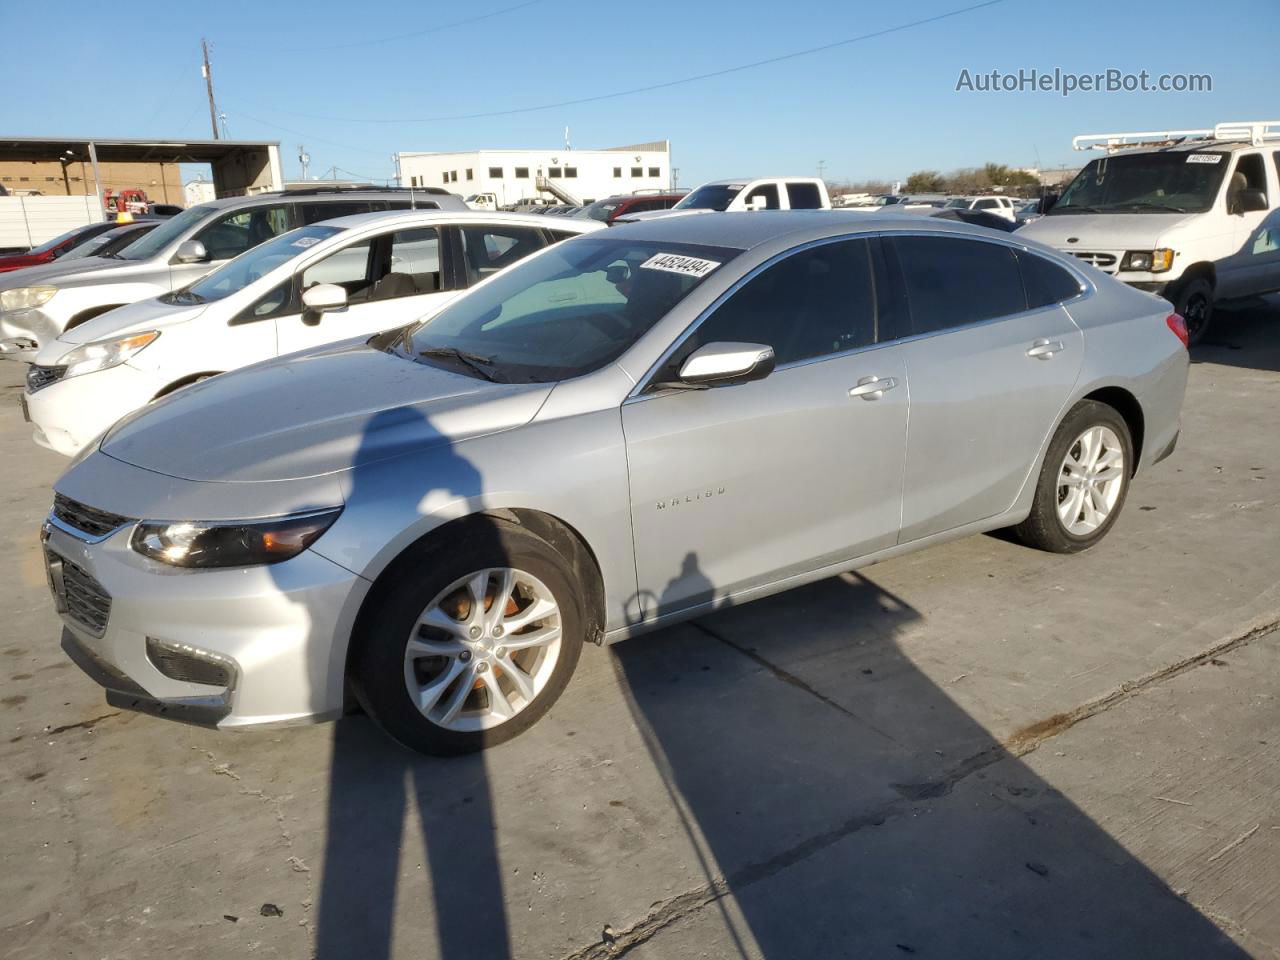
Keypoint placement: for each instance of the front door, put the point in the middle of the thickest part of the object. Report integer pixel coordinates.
(1243, 273)
(736, 486)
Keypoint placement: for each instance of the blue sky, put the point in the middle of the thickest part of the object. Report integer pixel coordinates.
(882, 107)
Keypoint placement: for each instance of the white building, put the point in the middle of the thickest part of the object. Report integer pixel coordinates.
(572, 176)
(199, 191)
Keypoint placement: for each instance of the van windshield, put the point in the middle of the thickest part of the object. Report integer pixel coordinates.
(1177, 182)
(167, 232)
(714, 196)
(564, 312)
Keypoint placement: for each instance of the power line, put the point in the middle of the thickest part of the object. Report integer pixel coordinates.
(312, 48)
(669, 83)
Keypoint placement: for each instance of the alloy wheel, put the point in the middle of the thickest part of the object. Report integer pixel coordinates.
(483, 649)
(1090, 480)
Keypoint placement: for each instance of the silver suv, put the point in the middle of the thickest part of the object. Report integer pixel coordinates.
(40, 303)
(621, 431)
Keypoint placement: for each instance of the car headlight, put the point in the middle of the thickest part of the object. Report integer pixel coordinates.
(104, 354)
(230, 543)
(1148, 261)
(20, 298)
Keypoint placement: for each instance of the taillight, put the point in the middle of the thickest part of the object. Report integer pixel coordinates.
(1178, 326)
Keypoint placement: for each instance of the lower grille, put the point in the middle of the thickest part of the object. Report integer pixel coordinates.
(181, 662)
(88, 520)
(38, 376)
(87, 601)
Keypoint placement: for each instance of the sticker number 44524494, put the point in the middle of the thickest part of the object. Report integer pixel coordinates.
(678, 263)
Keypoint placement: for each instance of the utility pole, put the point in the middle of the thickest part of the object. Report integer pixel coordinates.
(822, 165)
(208, 81)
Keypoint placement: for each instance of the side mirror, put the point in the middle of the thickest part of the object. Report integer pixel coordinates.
(322, 298)
(1047, 202)
(191, 251)
(1249, 201)
(725, 364)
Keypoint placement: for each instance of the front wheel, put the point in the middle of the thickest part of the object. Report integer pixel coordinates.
(1193, 300)
(470, 642)
(1083, 481)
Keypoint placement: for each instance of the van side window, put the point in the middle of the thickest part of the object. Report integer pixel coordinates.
(1045, 281)
(1250, 174)
(814, 303)
(950, 281)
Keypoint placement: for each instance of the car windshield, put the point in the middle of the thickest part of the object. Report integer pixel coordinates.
(1146, 182)
(714, 196)
(167, 232)
(957, 204)
(102, 243)
(253, 264)
(599, 210)
(564, 312)
(57, 241)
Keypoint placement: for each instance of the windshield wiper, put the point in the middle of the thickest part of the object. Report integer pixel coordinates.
(472, 361)
(182, 298)
(1074, 208)
(1143, 205)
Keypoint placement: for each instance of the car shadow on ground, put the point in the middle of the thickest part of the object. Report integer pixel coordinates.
(1243, 336)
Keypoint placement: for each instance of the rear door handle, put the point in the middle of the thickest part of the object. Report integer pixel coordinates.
(1045, 349)
(872, 388)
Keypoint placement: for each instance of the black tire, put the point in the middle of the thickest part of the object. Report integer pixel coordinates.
(1193, 300)
(376, 666)
(1043, 529)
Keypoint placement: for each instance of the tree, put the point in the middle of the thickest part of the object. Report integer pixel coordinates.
(925, 181)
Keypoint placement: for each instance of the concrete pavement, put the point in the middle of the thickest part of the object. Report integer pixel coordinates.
(974, 751)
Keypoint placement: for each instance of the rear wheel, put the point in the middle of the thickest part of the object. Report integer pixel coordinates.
(1083, 481)
(469, 646)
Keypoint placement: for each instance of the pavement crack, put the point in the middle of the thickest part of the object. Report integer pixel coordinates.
(790, 678)
(667, 912)
(82, 725)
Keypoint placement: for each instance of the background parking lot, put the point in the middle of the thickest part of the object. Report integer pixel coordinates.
(978, 750)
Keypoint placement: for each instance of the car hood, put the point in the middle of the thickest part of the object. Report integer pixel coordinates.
(56, 272)
(134, 318)
(1103, 231)
(315, 413)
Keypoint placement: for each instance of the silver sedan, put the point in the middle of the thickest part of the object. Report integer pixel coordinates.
(623, 431)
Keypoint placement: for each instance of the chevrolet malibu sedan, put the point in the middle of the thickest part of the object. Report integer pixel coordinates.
(328, 281)
(620, 432)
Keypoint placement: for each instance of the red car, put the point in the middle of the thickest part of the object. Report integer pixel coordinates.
(611, 208)
(48, 252)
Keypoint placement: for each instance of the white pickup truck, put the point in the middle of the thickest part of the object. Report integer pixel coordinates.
(1192, 215)
(731, 196)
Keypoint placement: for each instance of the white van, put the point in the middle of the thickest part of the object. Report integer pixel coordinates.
(348, 277)
(1193, 215)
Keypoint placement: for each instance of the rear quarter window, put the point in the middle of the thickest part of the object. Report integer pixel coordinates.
(1045, 281)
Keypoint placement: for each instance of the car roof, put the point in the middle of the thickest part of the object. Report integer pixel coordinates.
(425, 194)
(380, 218)
(732, 180)
(749, 229)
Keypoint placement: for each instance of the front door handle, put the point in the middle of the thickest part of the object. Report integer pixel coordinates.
(1045, 349)
(872, 388)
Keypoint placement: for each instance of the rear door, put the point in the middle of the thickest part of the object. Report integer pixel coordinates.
(737, 486)
(990, 372)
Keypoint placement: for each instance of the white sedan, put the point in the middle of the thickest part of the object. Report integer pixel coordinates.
(343, 278)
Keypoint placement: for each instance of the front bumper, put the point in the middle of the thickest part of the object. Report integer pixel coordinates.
(280, 631)
(68, 414)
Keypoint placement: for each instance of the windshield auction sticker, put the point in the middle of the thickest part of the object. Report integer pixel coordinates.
(305, 242)
(677, 263)
(1204, 158)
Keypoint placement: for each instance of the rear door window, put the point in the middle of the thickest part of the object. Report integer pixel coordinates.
(804, 196)
(952, 281)
(415, 265)
(330, 209)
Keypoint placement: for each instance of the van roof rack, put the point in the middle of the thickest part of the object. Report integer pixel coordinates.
(311, 191)
(1255, 132)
